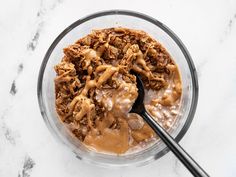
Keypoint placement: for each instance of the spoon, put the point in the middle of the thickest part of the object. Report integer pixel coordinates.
(139, 108)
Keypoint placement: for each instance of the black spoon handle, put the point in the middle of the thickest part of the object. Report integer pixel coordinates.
(183, 156)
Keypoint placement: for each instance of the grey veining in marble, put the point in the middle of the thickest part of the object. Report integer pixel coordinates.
(27, 167)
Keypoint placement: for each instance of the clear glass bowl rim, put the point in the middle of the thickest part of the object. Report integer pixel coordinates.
(152, 20)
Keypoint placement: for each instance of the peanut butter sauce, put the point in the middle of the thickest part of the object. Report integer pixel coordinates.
(95, 90)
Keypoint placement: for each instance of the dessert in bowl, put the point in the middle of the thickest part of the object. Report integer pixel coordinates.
(86, 101)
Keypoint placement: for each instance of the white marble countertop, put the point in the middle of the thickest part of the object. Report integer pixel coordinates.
(27, 28)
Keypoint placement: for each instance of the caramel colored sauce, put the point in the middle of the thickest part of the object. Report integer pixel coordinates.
(95, 90)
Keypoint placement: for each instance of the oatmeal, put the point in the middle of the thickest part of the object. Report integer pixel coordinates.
(95, 90)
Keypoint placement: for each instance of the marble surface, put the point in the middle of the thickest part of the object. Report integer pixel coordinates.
(27, 28)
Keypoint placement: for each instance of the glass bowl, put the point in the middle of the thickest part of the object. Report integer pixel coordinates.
(107, 19)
